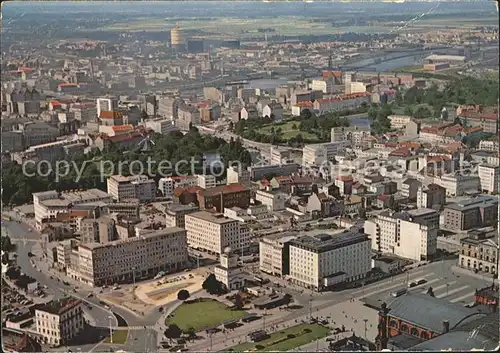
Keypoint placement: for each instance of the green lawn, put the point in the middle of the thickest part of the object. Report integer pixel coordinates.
(119, 337)
(203, 315)
(287, 130)
(273, 344)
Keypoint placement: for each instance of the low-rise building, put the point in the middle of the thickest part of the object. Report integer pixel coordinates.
(322, 261)
(321, 153)
(399, 121)
(229, 272)
(433, 196)
(225, 196)
(60, 321)
(274, 200)
(213, 232)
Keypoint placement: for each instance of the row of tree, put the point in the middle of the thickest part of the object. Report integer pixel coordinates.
(19, 184)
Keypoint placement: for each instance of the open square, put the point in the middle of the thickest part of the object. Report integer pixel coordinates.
(203, 314)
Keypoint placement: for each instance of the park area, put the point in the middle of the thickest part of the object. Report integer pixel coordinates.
(202, 314)
(285, 340)
(288, 130)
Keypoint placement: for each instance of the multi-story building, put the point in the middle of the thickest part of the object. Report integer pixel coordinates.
(324, 260)
(168, 107)
(355, 135)
(84, 112)
(345, 102)
(273, 199)
(137, 257)
(213, 232)
(479, 251)
(479, 116)
(408, 235)
(318, 154)
(489, 177)
(480, 211)
(188, 115)
(274, 110)
(459, 184)
(175, 214)
(206, 181)
(161, 126)
(237, 175)
(225, 196)
(132, 187)
(433, 196)
(59, 321)
(36, 133)
(492, 145)
(106, 105)
(166, 186)
(48, 204)
(259, 172)
(274, 254)
(399, 121)
(229, 272)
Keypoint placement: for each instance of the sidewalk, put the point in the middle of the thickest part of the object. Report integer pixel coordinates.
(487, 277)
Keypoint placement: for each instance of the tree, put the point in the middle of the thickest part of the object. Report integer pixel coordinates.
(408, 111)
(238, 301)
(294, 127)
(305, 114)
(211, 285)
(191, 332)
(6, 243)
(422, 112)
(299, 139)
(173, 332)
(183, 295)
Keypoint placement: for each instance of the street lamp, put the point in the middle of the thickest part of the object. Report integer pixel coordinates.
(110, 330)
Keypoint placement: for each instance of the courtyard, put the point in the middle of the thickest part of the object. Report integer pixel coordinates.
(203, 314)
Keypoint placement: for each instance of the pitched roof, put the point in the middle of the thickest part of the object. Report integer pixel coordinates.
(429, 312)
(224, 189)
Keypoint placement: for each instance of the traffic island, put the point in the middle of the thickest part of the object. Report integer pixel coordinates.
(119, 337)
(285, 340)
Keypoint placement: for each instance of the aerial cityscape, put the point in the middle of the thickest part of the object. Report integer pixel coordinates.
(250, 176)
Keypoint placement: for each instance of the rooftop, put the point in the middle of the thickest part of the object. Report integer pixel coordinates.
(218, 218)
(327, 242)
(59, 307)
(224, 189)
(479, 201)
(429, 312)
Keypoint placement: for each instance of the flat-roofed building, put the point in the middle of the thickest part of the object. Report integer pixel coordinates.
(142, 256)
(476, 212)
(213, 232)
(479, 252)
(49, 204)
(59, 321)
(489, 176)
(131, 187)
(274, 254)
(433, 196)
(175, 214)
(321, 261)
(225, 196)
(409, 235)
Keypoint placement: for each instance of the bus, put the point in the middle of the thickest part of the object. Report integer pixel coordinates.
(399, 292)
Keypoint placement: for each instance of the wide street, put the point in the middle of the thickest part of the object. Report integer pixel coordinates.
(458, 286)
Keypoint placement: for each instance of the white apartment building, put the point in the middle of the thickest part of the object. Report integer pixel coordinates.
(401, 235)
(213, 232)
(161, 126)
(132, 187)
(166, 186)
(321, 153)
(355, 135)
(489, 177)
(133, 258)
(107, 105)
(236, 175)
(59, 321)
(326, 86)
(399, 121)
(489, 145)
(188, 181)
(206, 181)
(274, 254)
(48, 204)
(345, 102)
(457, 185)
(324, 260)
(273, 200)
